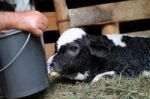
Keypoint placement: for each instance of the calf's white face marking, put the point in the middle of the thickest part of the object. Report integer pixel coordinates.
(49, 61)
(69, 36)
(116, 38)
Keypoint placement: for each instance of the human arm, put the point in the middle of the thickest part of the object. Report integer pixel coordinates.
(32, 21)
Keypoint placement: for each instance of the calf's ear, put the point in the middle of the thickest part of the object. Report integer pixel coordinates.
(99, 50)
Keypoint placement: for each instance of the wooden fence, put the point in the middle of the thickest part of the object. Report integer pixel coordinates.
(108, 15)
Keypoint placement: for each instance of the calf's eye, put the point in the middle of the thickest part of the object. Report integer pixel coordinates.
(73, 48)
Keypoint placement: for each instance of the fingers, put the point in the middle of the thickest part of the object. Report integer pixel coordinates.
(37, 32)
(43, 23)
(33, 21)
(42, 27)
(39, 29)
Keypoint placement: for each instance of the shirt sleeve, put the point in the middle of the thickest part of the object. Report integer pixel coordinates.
(22, 5)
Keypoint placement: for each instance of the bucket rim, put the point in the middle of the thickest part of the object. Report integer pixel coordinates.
(9, 32)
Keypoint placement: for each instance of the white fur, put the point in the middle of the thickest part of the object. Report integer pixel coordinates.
(49, 61)
(48, 69)
(69, 36)
(81, 76)
(99, 76)
(146, 73)
(116, 38)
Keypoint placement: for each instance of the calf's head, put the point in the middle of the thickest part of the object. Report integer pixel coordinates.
(76, 53)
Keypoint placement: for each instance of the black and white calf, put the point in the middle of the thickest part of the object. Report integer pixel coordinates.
(80, 56)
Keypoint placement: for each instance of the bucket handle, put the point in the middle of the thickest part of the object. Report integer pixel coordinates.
(16, 54)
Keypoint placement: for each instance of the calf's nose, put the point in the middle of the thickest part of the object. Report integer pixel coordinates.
(53, 64)
(55, 67)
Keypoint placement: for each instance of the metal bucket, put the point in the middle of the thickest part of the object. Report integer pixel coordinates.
(23, 69)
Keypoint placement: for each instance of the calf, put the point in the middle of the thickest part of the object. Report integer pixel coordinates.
(81, 56)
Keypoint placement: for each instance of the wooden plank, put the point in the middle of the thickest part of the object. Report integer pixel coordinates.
(62, 15)
(139, 33)
(112, 28)
(112, 12)
(61, 10)
(52, 22)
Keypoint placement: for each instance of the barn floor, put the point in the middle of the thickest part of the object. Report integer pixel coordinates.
(115, 88)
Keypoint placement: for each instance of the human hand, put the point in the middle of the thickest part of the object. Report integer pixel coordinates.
(32, 21)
